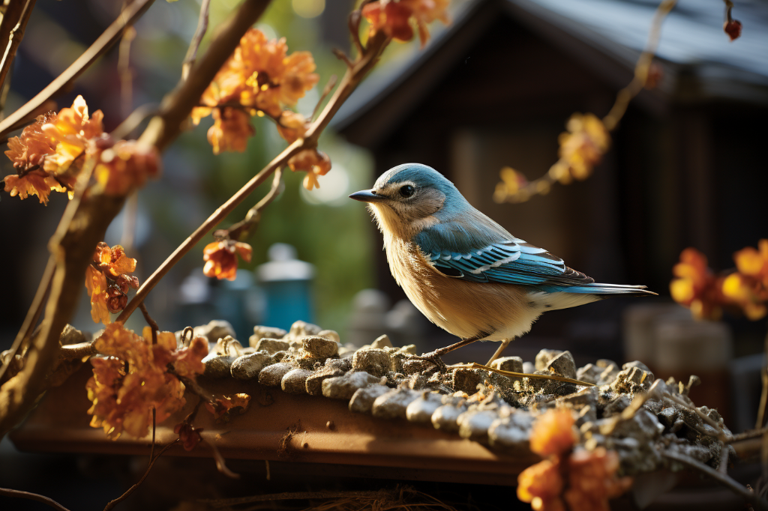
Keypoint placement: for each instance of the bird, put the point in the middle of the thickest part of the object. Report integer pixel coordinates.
(462, 270)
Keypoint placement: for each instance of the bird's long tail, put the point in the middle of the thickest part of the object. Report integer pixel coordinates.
(609, 289)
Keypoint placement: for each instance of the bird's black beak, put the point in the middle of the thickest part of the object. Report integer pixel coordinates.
(367, 196)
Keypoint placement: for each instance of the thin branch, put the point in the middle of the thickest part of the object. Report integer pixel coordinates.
(763, 399)
(202, 27)
(244, 229)
(133, 488)
(18, 494)
(13, 35)
(748, 435)
(125, 72)
(298, 495)
(151, 322)
(79, 350)
(723, 479)
(351, 79)
(720, 433)
(96, 50)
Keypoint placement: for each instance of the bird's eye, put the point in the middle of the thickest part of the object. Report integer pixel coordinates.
(407, 191)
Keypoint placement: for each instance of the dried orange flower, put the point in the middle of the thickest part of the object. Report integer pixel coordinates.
(292, 126)
(583, 145)
(260, 78)
(230, 131)
(225, 405)
(696, 287)
(396, 17)
(36, 182)
(71, 130)
(107, 281)
(592, 480)
(748, 287)
(541, 485)
(314, 162)
(221, 259)
(553, 433)
(123, 395)
(188, 434)
(125, 166)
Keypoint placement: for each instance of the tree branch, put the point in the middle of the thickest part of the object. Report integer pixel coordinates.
(96, 50)
(12, 30)
(18, 494)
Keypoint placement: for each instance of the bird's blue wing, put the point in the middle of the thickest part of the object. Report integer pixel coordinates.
(511, 261)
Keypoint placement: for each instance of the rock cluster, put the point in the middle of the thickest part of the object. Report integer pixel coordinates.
(389, 383)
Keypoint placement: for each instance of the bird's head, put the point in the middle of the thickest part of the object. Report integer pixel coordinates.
(411, 197)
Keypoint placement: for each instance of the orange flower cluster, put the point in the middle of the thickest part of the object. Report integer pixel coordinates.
(50, 154)
(397, 17)
(260, 78)
(591, 476)
(221, 258)
(107, 281)
(705, 294)
(133, 379)
(696, 287)
(510, 185)
(226, 405)
(732, 28)
(581, 148)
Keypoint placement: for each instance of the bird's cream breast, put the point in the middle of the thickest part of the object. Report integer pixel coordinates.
(465, 309)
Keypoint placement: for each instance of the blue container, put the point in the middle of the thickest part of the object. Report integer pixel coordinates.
(287, 285)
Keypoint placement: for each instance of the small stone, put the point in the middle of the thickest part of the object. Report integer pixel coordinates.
(370, 360)
(272, 375)
(589, 373)
(529, 368)
(381, 342)
(330, 425)
(301, 329)
(632, 380)
(512, 364)
(421, 409)
(445, 417)
(467, 380)
(474, 424)
(248, 367)
(271, 345)
(308, 363)
(511, 431)
(638, 364)
(563, 364)
(347, 350)
(331, 335)
(265, 332)
(314, 384)
(215, 330)
(668, 416)
(393, 404)
(320, 347)
(344, 387)
(217, 366)
(295, 381)
(362, 400)
(543, 357)
(610, 371)
(417, 366)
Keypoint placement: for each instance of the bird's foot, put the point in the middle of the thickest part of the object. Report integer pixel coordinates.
(434, 358)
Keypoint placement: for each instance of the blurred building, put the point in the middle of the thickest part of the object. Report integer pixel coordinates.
(496, 88)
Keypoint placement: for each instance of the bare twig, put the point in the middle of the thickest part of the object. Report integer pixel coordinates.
(244, 229)
(150, 322)
(748, 435)
(351, 79)
(723, 479)
(719, 432)
(133, 488)
(543, 184)
(221, 464)
(125, 72)
(298, 495)
(513, 374)
(763, 399)
(12, 30)
(97, 49)
(202, 27)
(18, 494)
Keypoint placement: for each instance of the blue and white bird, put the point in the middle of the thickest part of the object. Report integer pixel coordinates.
(462, 270)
